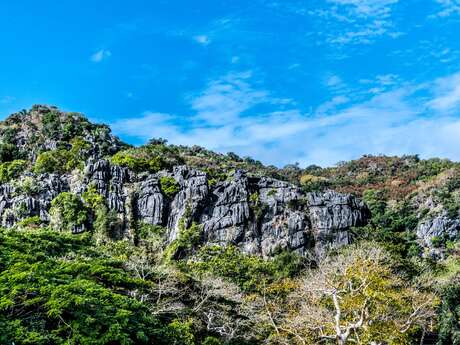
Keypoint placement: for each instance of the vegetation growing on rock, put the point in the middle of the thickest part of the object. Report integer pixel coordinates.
(100, 244)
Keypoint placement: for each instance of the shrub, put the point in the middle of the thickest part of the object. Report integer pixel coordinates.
(52, 162)
(249, 272)
(137, 161)
(51, 124)
(312, 183)
(8, 152)
(27, 185)
(169, 186)
(146, 231)
(62, 160)
(211, 341)
(10, 170)
(186, 241)
(92, 198)
(30, 222)
(437, 241)
(68, 213)
(182, 332)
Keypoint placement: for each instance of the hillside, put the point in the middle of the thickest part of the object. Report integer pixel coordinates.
(106, 243)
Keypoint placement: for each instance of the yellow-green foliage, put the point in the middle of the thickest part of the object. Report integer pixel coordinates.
(249, 272)
(187, 239)
(169, 186)
(30, 222)
(62, 160)
(138, 160)
(11, 170)
(311, 182)
(182, 331)
(92, 198)
(358, 288)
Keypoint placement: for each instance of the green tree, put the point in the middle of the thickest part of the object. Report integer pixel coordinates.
(68, 213)
(449, 319)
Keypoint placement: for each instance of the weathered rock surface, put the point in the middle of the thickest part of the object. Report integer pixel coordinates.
(439, 228)
(259, 215)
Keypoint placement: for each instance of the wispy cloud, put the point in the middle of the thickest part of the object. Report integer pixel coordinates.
(367, 8)
(227, 116)
(356, 21)
(225, 99)
(202, 39)
(448, 7)
(447, 93)
(100, 55)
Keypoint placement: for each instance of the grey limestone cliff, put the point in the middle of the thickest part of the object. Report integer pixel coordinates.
(258, 214)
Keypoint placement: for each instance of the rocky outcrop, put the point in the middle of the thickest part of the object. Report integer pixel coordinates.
(332, 215)
(260, 215)
(434, 232)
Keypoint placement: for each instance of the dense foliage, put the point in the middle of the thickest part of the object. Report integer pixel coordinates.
(78, 281)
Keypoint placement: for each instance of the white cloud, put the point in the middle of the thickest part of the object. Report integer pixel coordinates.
(368, 8)
(100, 55)
(202, 39)
(334, 81)
(448, 7)
(408, 119)
(447, 91)
(356, 21)
(225, 99)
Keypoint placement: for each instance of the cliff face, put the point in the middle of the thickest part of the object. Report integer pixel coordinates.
(45, 152)
(258, 214)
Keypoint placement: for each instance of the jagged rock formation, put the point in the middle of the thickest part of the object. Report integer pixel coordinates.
(246, 208)
(260, 215)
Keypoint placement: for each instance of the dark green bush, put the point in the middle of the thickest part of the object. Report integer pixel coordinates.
(449, 320)
(47, 299)
(8, 152)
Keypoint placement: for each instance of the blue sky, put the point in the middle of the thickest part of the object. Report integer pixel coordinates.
(282, 81)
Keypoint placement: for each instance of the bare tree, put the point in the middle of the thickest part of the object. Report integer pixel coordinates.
(353, 297)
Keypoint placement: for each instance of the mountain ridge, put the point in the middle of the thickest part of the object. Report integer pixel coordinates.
(105, 243)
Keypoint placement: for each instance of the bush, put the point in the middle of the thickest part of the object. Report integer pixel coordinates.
(68, 213)
(8, 152)
(27, 185)
(92, 198)
(169, 186)
(211, 341)
(311, 183)
(62, 160)
(52, 162)
(249, 272)
(137, 162)
(186, 241)
(146, 231)
(30, 222)
(11, 170)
